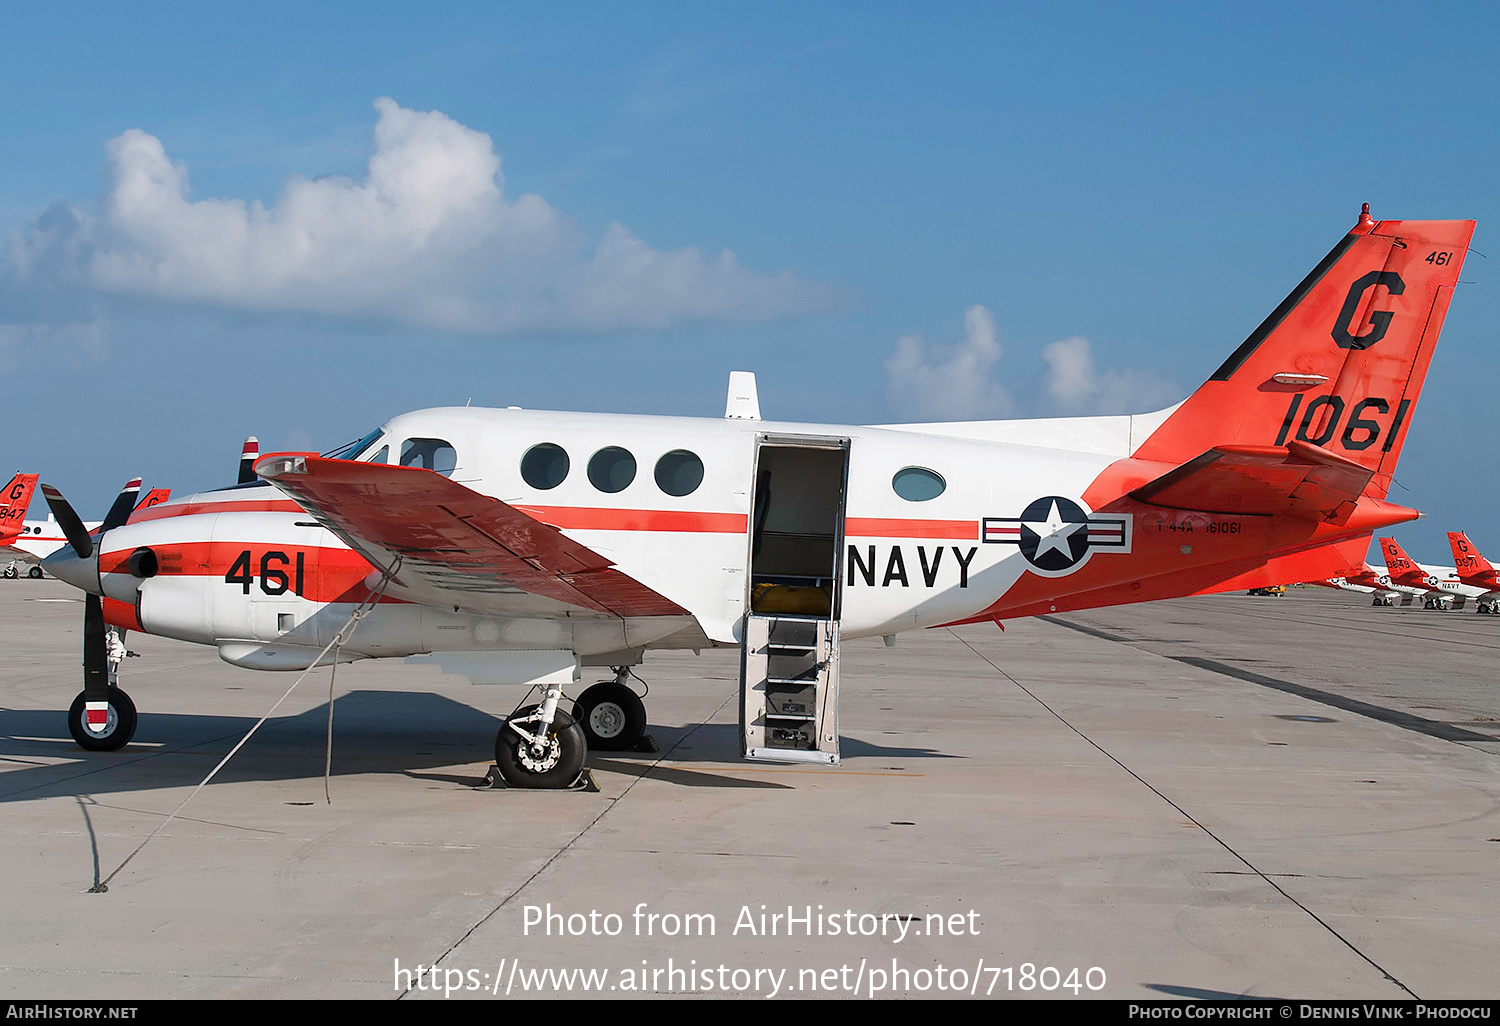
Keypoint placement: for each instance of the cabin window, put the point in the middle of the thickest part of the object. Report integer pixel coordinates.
(544, 466)
(918, 484)
(612, 469)
(429, 454)
(679, 472)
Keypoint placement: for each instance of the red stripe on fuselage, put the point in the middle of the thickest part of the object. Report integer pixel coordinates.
(328, 574)
(594, 518)
(883, 527)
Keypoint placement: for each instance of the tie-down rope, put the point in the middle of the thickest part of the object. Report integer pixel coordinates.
(340, 638)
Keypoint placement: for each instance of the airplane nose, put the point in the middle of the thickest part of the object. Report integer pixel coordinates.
(65, 565)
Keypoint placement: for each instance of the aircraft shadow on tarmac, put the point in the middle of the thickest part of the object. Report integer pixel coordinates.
(407, 733)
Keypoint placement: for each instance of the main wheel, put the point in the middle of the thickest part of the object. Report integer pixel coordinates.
(612, 716)
(10, 572)
(119, 727)
(35, 573)
(557, 765)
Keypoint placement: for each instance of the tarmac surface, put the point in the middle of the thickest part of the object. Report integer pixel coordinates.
(1215, 797)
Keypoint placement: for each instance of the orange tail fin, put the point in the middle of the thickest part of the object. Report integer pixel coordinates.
(13, 503)
(1397, 561)
(1335, 371)
(1470, 562)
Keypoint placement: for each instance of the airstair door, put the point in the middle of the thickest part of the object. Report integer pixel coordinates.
(789, 661)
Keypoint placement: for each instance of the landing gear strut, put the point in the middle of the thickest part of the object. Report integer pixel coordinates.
(612, 716)
(119, 714)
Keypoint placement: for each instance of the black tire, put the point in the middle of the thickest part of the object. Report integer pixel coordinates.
(612, 716)
(10, 573)
(35, 573)
(121, 724)
(558, 768)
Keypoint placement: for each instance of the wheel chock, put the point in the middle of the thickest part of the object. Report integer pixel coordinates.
(493, 781)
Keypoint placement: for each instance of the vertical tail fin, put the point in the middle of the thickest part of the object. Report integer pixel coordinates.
(14, 501)
(1397, 562)
(1340, 363)
(154, 497)
(1468, 561)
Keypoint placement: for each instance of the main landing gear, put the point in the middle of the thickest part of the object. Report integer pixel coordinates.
(1384, 600)
(1492, 607)
(541, 746)
(613, 716)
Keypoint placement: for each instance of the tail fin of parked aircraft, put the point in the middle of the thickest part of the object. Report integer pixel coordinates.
(1396, 560)
(1309, 414)
(1468, 560)
(154, 497)
(13, 503)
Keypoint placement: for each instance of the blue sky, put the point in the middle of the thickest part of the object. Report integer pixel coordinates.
(1149, 179)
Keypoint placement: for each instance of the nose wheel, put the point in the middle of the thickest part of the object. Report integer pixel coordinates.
(119, 723)
(533, 754)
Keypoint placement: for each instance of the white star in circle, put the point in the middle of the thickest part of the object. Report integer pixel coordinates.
(1053, 533)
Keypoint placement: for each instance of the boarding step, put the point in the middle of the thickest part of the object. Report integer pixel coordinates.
(789, 689)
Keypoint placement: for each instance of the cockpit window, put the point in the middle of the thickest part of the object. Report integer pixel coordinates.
(383, 455)
(354, 450)
(429, 454)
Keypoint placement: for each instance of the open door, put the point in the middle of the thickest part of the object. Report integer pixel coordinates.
(789, 666)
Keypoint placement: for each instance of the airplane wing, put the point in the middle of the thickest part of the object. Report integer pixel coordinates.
(1297, 479)
(457, 547)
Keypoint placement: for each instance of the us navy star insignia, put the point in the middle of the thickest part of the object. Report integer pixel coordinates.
(1057, 535)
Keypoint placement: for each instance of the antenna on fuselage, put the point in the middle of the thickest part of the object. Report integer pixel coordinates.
(743, 402)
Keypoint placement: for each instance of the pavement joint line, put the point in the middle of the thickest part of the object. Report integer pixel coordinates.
(609, 804)
(1187, 815)
(1383, 714)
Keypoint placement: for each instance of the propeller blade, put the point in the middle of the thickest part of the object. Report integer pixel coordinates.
(248, 455)
(124, 503)
(72, 527)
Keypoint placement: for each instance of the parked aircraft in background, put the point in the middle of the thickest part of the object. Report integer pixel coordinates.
(513, 546)
(1440, 586)
(13, 502)
(1369, 581)
(1475, 571)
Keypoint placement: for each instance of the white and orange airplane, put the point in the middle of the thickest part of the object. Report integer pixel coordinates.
(523, 547)
(1367, 580)
(1439, 586)
(31, 541)
(13, 503)
(1475, 571)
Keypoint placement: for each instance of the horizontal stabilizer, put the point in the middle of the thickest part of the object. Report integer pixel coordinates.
(1299, 479)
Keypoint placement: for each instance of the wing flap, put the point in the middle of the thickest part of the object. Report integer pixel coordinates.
(454, 541)
(1297, 479)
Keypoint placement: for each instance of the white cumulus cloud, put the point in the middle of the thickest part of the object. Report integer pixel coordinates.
(427, 237)
(963, 381)
(952, 382)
